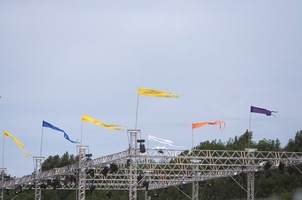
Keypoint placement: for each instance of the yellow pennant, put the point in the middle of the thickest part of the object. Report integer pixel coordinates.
(156, 93)
(20, 145)
(86, 118)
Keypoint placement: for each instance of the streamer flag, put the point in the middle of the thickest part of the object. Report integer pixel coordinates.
(20, 145)
(262, 111)
(156, 93)
(48, 125)
(217, 122)
(86, 118)
(162, 141)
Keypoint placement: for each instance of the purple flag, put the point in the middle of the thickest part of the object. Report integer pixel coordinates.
(262, 111)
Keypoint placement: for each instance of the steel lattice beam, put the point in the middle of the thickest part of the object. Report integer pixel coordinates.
(161, 169)
(168, 166)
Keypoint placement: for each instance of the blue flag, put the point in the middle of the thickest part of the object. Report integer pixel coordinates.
(48, 125)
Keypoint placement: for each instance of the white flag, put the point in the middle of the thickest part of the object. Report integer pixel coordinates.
(162, 141)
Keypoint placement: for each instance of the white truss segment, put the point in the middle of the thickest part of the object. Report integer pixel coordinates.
(162, 169)
(67, 170)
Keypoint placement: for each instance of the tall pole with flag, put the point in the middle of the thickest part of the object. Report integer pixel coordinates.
(152, 93)
(19, 144)
(49, 125)
(258, 110)
(86, 118)
(41, 144)
(200, 124)
(82, 154)
(3, 151)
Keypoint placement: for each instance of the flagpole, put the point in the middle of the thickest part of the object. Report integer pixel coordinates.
(249, 136)
(81, 132)
(192, 139)
(41, 142)
(3, 151)
(136, 110)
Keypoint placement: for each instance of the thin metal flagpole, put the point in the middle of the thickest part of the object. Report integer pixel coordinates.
(3, 151)
(81, 131)
(249, 131)
(192, 139)
(41, 141)
(137, 100)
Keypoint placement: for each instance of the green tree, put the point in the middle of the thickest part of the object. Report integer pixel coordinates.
(295, 145)
(268, 145)
(241, 142)
(214, 145)
(56, 161)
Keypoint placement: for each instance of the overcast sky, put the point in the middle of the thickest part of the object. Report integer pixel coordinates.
(62, 59)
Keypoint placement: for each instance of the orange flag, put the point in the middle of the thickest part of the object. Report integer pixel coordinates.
(217, 122)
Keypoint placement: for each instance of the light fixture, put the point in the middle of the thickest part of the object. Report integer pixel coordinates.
(267, 165)
(128, 162)
(55, 183)
(146, 184)
(105, 171)
(113, 167)
(43, 186)
(90, 172)
(88, 156)
(92, 188)
(142, 147)
(30, 186)
(73, 179)
(281, 166)
(18, 189)
(67, 180)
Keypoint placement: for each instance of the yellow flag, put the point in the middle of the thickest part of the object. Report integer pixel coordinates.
(20, 145)
(156, 93)
(86, 118)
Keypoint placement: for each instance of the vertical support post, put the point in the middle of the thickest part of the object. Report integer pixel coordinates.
(2, 173)
(133, 153)
(38, 169)
(195, 184)
(195, 187)
(81, 171)
(250, 174)
(250, 185)
(147, 196)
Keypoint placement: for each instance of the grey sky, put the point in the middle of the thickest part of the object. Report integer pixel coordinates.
(60, 60)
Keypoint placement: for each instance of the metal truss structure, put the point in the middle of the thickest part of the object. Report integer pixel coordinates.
(138, 168)
(2, 174)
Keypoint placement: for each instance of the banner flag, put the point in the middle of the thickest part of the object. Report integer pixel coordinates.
(48, 125)
(86, 118)
(20, 145)
(262, 111)
(155, 93)
(162, 141)
(217, 122)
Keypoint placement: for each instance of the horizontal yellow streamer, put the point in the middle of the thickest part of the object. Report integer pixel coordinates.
(156, 93)
(86, 118)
